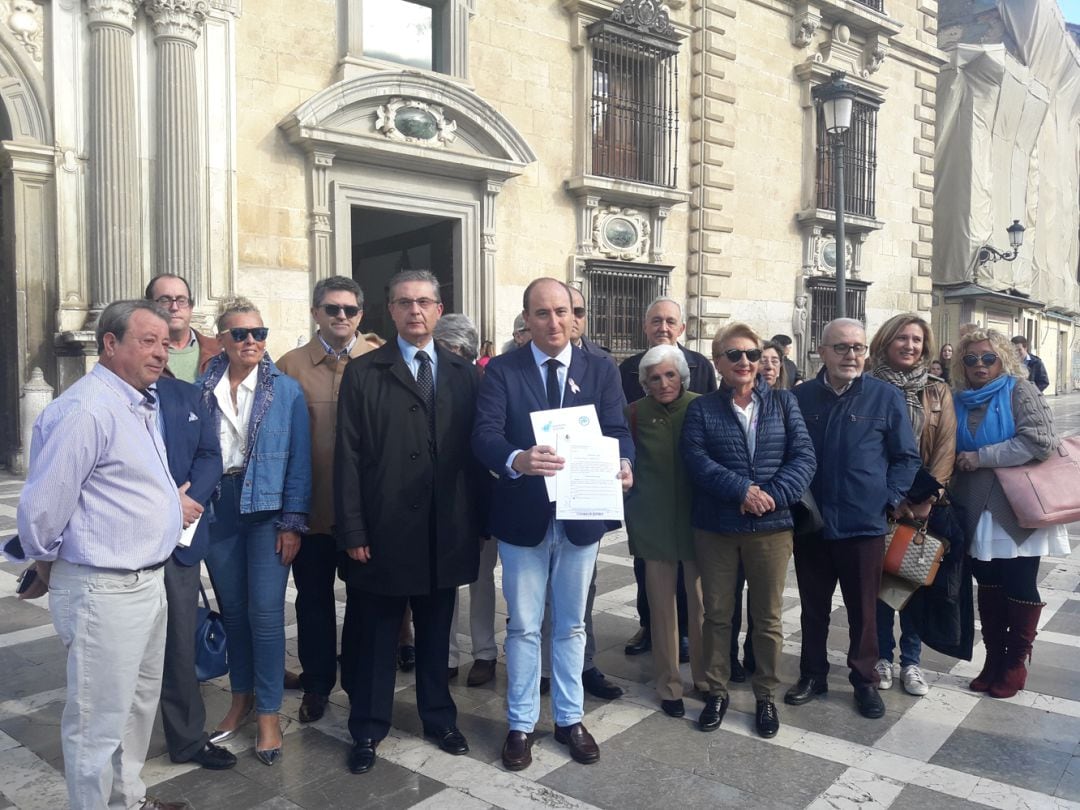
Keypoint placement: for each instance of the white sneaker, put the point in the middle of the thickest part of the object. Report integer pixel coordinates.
(914, 683)
(884, 670)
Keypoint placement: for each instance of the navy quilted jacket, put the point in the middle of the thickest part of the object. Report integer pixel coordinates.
(717, 456)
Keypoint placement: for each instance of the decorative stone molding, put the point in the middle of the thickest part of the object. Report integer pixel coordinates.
(228, 6)
(178, 19)
(24, 19)
(647, 16)
(621, 233)
(412, 121)
(803, 26)
(874, 54)
(119, 13)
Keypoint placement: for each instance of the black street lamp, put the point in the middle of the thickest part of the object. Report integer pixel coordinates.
(988, 253)
(836, 99)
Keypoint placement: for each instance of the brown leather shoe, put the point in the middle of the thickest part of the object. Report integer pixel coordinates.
(312, 707)
(517, 751)
(482, 672)
(583, 747)
(292, 680)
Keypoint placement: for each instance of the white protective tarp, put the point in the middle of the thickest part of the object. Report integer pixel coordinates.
(1008, 147)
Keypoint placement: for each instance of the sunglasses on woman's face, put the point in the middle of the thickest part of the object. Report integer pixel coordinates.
(240, 333)
(733, 355)
(972, 360)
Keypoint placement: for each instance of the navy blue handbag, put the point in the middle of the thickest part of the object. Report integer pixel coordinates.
(210, 657)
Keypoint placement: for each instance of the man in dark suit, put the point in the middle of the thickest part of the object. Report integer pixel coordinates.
(663, 325)
(406, 490)
(191, 443)
(1035, 366)
(539, 552)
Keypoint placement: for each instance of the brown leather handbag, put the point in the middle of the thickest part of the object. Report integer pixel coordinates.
(912, 554)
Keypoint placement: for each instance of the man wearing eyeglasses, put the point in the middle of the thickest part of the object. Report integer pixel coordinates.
(189, 350)
(407, 513)
(337, 307)
(866, 462)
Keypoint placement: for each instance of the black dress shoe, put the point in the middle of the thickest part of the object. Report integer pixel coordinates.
(362, 756)
(738, 674)
(517, 751)
(449, 740)
(545, 685)
(766, 719)
(598, 686)
(583, 747)
(214, 758)
(312, 707)
(673, 708)
(713, 714)
(451, 673)
(806, 690)
(482, 672)
(684, 650)
(406, 657)
(868, 701)
(640, 642)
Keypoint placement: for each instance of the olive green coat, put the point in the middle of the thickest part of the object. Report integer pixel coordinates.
(658, 506)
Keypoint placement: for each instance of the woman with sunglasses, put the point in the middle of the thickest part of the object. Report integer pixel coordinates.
(260, 511)
(1002, 421)
(899, 354)
(749, 458)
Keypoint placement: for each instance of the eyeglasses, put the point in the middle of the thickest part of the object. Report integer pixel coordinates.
(858, 349)
(579, 312)
(988, 359)
(166, 301)
(733, 355)
(240, 333)
(407, 303)
(333, 310)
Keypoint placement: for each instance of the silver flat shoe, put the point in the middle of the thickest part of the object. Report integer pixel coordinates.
(217, 736)
(268, 757)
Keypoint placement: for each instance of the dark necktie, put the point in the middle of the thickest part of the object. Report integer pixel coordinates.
(426, 383)
(554, 395)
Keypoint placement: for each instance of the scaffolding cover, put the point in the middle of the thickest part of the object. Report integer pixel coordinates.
(1008, 147)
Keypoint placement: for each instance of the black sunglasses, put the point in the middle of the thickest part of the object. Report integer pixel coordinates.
(579, 312)
(240, 333)
(733, 355)
(333, 309)
(972, 360)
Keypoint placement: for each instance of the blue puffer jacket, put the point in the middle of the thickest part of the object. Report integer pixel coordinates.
(717, 456)
(866, 451)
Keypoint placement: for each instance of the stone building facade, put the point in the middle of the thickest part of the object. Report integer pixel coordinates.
(627, 146)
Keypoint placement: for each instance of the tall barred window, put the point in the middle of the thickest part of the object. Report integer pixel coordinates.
(822, 291)
(860, 161)
(618, 294)
(634, 109)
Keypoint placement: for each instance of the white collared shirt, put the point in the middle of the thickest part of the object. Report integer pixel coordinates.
(234, 422)
(563, 357)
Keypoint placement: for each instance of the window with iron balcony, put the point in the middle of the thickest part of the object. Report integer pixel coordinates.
(860, 162)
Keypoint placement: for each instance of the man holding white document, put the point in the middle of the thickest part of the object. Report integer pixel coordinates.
(538, 547)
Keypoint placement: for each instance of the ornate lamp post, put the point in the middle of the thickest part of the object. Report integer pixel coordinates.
(836, 99)
(990, 254)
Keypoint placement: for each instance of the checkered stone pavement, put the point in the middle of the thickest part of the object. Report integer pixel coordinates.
(949, 749)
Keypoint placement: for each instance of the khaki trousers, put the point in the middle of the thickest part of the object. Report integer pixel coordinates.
(661, 577)
(765, 559)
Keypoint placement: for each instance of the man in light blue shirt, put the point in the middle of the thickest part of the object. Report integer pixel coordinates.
(101, 513)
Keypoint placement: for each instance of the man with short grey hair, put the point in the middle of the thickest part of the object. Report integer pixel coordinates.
(101, 514)
(337, 307)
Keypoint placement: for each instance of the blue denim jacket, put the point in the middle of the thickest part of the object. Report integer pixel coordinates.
(277, 466)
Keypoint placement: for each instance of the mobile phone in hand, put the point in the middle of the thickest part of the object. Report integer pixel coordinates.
(28, 578)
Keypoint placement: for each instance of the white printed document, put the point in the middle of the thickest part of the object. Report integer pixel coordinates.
(188, 534)
(549, 425)
(589, 487)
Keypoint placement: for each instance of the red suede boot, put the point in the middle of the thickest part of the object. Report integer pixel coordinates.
(1023, 619)
(992, 614)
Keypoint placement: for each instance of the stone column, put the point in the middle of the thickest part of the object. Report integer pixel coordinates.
(114, 203)
(179, 249)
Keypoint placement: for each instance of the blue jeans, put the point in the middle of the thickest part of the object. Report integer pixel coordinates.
(910, 643)
(249, 581)
(528, 572)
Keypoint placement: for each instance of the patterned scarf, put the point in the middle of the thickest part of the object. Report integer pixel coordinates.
(911, 383)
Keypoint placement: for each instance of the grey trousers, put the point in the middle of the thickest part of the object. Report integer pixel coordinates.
(113, 626)
(481, 609)
(183, 713)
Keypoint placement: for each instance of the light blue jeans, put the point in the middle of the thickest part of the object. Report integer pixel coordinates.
(249, 581)
(528, 573)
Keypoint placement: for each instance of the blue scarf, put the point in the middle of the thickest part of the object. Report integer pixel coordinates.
(997, 425)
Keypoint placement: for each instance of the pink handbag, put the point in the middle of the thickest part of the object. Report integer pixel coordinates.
(1045, 493)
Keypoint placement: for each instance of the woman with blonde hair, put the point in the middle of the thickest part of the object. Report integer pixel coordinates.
(260, 511)
(900, 354)
(1002, 421)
